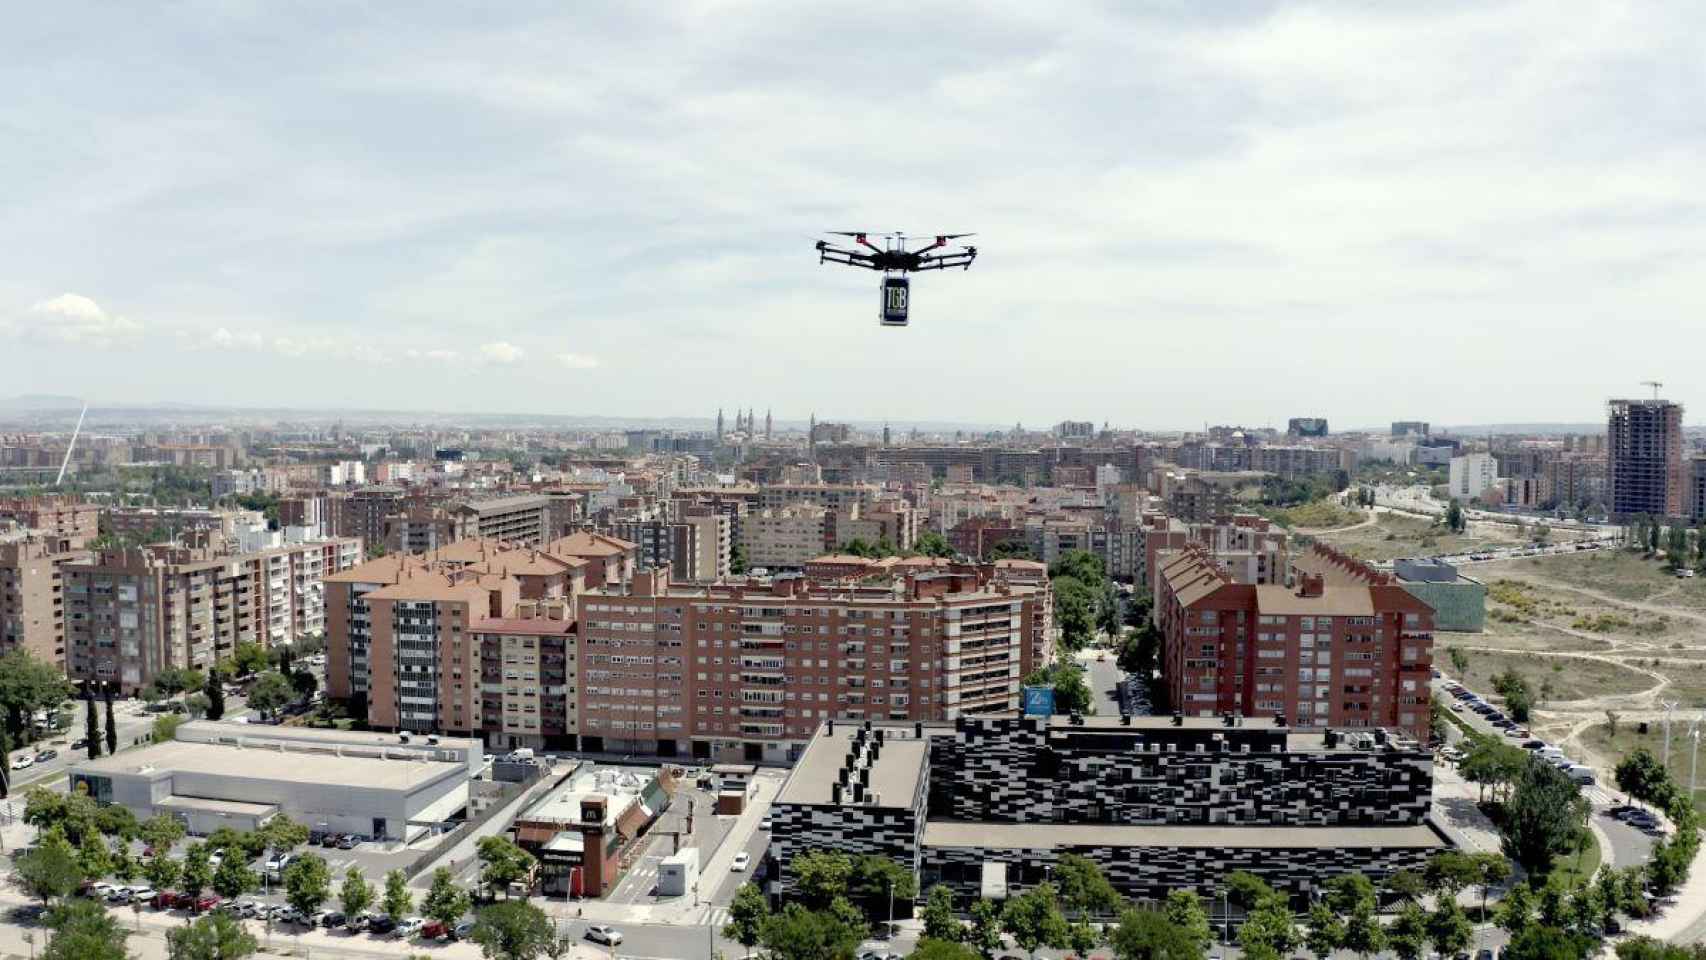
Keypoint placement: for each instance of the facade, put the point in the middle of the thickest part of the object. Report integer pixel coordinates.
(1409, 428)
(519, 519)
(242, 775)
(362, 514)
(1643, 441)
(1306, 426)
(54, 518)
(32, 596)
(785, 537)
(1316, 655)
(1459, 602)
(987, 805)
(131, 613)
(1473, 474)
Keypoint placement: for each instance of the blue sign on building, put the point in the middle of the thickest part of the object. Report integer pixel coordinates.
(1039, 701)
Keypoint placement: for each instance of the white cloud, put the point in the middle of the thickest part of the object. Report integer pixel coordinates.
(501, 352)
(445, 357)
(74, 318)
(577, 361)
(224, 339)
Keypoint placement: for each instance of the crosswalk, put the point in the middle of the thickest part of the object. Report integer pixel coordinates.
(714, 916)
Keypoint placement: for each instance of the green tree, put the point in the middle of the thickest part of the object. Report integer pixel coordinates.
(398, 901)
(249, 659)
(1449, 929)
(91, 724)
(216, 936)
(304, 684)
(1083, 888)
(166, 727)
(1449, 871)
(1547, 943)
(502, 863)
(985, 933)
(214, 690)
(796, 933)
(932, 948)
(1454, 519)
(28, 686)
(1642, 776)
(513, 930)
(52, 869)
(195, 873)
(93, 857)
(196, 705)
(932, 544)
(1491, 869)
(233, 878)
(1408, 933)
(1269, 931)
(1350, 891)
(1459, 660)
(84, 930)
(282, 834)
(1247, 890)
(1071, 693)
(1149, 935)
(820, 876)
(271, 693)
(873, 879)
(162, 871)
(307, 883)
(1185, 910)
(1081, 936)
(1034, 920)
(940, 923)
(1364, 935)
(445, 901)
(1324, 931)
(112, 725)
(1405, 885)
(1542, 818)
(356, 894)
(748, 912)
(125, 866)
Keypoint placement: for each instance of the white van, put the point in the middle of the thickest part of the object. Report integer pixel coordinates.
(521, 753)
(1580, 774)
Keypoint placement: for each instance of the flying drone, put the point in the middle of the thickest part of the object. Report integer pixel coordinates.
(895, 262)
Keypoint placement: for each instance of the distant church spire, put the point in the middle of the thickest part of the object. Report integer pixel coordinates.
(766, 423)
(719, 423)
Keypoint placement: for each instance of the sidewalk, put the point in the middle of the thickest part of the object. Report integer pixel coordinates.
(1684, 921)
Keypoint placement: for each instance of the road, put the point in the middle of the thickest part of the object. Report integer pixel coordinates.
(133, 723)
(1103, 676)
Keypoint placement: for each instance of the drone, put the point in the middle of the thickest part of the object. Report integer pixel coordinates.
(895, 262)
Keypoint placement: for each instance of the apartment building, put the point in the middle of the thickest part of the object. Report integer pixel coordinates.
(362, 513)
(518, 519)
(832, 496)
(1472, 475)
(610, 561)
(168, 522)
(32, 595)
(785, 538)
(420, 526)
(53, 518)
(1643, 441)
(693, 548)
(1318, 655)
(131, 613)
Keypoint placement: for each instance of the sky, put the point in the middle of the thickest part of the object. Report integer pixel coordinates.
(1187, 212)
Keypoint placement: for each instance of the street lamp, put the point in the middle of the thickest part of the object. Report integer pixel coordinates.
(888, 931)
(1670, 707)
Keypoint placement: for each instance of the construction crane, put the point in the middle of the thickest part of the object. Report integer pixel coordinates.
(1655, 384)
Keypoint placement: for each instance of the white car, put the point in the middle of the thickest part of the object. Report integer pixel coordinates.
(741, 861)
(22, 760)
(216, 858)
(275, 866)
(409, 926)
(599, 933)
(140, 893)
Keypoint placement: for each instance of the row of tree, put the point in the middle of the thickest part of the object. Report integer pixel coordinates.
(929, 544)
(1084, 599)
(1643, 777)
(1682, 547)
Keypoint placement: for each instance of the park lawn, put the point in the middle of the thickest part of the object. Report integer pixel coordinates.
(1612, 749)
(1571, 678)
(1319, 515)
(1397, 535)
(1618, 573)
(1575, 868)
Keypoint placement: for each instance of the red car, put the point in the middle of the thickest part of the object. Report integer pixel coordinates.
(165, 900)
(206, 901)
(435, 930)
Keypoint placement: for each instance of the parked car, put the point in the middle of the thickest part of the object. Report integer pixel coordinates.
(764, 824)
(46, 755)
(435, 930)
(216, 858)
(140, 893)
(164, 900)
(462, 929)
(118, 895)
(276, 864)
(79, 743)
(330, 840)
(409, 926)
(333, 919)
(607, 935)
(316, 837)
(381, 924)
(96, 889)
(741, 861)
(206, 902)
(23, 760)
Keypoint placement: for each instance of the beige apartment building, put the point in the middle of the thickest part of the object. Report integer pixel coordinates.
(785, 537)
(131, 613)
(53, 518)
(32, 596)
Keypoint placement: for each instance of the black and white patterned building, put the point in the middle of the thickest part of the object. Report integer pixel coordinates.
(991, 803)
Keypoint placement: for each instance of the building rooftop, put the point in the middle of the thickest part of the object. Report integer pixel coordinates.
(1043, 836)
(273, 762)
(896, 776)
(618, 785)
(1333, 601)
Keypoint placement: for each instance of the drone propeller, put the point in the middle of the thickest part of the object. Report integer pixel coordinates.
(953, 236)
(848, 233)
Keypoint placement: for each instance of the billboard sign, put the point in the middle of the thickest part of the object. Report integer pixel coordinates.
(1039, 701)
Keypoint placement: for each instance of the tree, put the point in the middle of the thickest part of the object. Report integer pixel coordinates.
(1071, 693)
(797, 933)
(1491, 869)
(933, 544)
(304, 683)
(445, 901)
(1185, 910)
(737, 560)
(28, 685)
(216, 936)
(1350, 891)
(1642, 776)
(398, 901)
(233, 878)
(1545, 812)
(1149, 935)
(52, 869)
(249, 658)
(749, 911)
(1449, 871)
(270, 693)
(873, 880)
(125, 866)
(1611, 718)
(1408, 933)
(1449, 929)
(1405, 885)
(513, 930)
(985, 933)
(1454, 519)
(1547, 943)
(502, 863)
(196, 872)
(1081, 937)
(282, 833)
(162, 871)
(940, 923)
(91, 723)
(1034, 920)
(84, 930)
(166, 727)
(1363, 934)
(1325, 931)
(1082, 886)
(931, 948)
(356, 894)
(161, 831)
(307, 883)
(196, 705)
(112, 725)
(1247, 890)
(93, 857)
(1459, 659)
(820, 876)
(214, 691)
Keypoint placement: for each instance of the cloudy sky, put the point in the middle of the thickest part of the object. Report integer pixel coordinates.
(1229, 212)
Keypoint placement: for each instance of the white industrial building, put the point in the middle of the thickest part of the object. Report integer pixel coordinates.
(242, 775)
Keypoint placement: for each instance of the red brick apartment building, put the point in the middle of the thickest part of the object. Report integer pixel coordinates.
(744, 669)
(1341, 654)
(54, 518)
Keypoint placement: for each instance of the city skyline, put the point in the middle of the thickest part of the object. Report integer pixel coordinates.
(536, 209)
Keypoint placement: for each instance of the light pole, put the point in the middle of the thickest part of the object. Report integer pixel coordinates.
(888, 931)
(1693, 756)
(1670, 707)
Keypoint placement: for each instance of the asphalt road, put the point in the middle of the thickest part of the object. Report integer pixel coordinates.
(1104, 677)
(133, 723)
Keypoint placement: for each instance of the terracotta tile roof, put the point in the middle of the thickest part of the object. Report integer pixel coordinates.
(585, 544)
